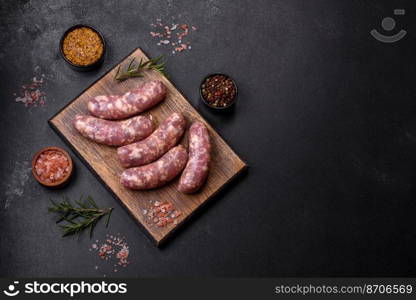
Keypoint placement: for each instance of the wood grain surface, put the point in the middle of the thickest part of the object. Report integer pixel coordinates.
(103, 160)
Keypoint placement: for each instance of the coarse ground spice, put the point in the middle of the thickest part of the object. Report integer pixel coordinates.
(161, 214)
(172, 35)
(218, 90)
(83, 46)
(114, 249)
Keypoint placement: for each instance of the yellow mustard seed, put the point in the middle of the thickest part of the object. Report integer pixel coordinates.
(83, 46)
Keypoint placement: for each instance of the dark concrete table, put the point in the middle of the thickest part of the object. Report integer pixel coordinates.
(325, 119)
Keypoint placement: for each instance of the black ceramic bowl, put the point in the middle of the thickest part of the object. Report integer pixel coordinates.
(82, 68)
(217, 107)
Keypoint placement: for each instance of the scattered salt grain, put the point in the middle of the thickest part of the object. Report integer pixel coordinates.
(161, 214)
(31, 94)
(113, 248)
(165, 32)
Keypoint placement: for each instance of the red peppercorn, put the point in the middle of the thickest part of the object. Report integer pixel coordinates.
(218, 90)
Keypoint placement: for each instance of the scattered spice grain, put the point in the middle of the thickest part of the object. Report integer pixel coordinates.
(31, 95)
(172, 35)
(114, 249)
(161, 214)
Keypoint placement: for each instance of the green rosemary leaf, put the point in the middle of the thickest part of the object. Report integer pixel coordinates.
(143, 65)
(138, 70)
(118, 71)
(108, 217)
(130, 64)
(91, 201)
(85, 215)
(92, 225)
(79, 203)
(157, 59)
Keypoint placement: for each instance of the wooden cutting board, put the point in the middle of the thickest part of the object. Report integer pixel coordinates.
(102, 160)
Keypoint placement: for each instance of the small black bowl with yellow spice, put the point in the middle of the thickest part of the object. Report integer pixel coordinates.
(218, 91)
(82, 47)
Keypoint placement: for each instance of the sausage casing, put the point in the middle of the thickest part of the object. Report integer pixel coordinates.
(116, 107)
(113, 133)
(166, 136)
(158, 173)
(197, 167)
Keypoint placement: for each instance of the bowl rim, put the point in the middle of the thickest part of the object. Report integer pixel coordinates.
(215, 107)
(97, 62)
(63, 180)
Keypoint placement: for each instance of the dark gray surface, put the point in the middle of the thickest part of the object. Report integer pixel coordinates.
(325, 119)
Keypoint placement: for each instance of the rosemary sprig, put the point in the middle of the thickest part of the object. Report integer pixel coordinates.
(84, 215)
(136, 69)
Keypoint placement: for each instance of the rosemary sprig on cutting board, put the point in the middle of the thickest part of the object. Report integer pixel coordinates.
(136, 69)
(84, 215)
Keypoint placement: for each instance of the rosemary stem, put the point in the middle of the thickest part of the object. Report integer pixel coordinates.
(78, 218)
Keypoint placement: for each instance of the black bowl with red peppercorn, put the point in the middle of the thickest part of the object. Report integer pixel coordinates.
(218, 91)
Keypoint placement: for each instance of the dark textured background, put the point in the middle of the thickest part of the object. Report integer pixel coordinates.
(326, 121)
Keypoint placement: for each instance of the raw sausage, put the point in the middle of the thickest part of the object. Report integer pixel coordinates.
(114, 133)
(155, 145)
(196, 169)
(115, 107)
(157, 173)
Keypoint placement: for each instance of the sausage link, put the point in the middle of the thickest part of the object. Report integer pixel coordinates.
(158, 173)
(154, 146)
(114, 133)
(116, 107)
(197, 167)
